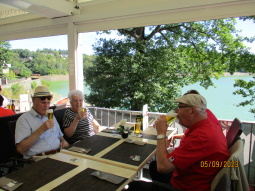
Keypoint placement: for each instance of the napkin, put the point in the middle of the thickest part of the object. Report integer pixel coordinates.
(108, 177)
(135, 142)
(9, 184)
(79, 150)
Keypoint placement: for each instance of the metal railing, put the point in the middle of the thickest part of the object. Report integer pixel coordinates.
(109, 117)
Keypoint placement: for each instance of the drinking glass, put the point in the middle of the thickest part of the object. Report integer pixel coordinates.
(49, 114)
(137, 129)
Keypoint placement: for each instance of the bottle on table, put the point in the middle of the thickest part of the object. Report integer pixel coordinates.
(12, 106)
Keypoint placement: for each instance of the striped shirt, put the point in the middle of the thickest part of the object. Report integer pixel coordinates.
(84, 127)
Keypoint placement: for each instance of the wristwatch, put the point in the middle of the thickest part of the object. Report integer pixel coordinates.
(161, 137)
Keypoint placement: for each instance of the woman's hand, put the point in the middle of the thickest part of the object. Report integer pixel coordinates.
(81, 115)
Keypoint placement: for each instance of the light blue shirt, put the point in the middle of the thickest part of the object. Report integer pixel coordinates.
(30, 122)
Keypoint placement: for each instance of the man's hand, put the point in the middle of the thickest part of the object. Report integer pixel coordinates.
(170, 142)
(49, 124)
(64, 143)
(161, 125)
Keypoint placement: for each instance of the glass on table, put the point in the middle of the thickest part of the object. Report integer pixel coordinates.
(137, 128)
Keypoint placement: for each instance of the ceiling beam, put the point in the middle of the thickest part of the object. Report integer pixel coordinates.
(46, 8)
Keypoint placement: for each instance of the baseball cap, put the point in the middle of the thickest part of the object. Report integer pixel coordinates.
(195, 100)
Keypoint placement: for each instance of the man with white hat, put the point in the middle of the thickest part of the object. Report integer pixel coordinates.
(35, 135)
(190, 163)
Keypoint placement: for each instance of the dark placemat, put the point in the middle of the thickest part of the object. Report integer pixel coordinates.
(96, 143)
(85, 181)
(124, 151)
(40, 173)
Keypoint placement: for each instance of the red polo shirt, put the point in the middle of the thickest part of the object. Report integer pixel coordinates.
(5, 112)
(202, 144)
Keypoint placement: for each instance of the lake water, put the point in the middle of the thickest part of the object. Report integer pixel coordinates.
(220, 99)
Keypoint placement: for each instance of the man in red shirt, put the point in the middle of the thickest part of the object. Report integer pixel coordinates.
(201, 153)
(3, 111)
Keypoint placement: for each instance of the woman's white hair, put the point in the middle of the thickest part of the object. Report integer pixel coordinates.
(74, 93)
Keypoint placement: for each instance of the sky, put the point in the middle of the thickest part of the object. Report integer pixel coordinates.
(60, 42)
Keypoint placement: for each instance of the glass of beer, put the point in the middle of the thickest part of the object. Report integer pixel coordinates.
(137, 129)
(49, 114)
(170, 117)
(83, 109)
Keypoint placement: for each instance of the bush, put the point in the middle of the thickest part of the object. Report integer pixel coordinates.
(45, 83)
(17, 89)
(33, 85)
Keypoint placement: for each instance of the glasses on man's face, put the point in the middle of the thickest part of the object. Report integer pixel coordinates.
(183, 106)
(44, 98)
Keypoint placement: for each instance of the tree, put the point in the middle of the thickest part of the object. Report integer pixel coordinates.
(4, 54)
(247, 89)
(151, 64)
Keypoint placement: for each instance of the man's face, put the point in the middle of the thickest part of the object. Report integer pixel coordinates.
(184, 114)
(40, 105)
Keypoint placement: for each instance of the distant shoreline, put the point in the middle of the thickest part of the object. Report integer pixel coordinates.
(66, 77)
(237, 74)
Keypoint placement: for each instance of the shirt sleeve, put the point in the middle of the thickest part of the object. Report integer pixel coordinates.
(22, 130)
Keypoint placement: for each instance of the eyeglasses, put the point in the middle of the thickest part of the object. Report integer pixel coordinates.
(179, 107)
(44, 98)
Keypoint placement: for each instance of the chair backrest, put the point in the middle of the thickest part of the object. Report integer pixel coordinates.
(12, 128)
(234, 132)
(232, 176)
(59, 114)
(5, 138)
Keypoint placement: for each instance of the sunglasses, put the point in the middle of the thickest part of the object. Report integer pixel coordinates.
(44, 98)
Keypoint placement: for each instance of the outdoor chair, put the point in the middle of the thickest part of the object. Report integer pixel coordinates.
(59, 115)
(232, 176)
(16, 157)
(9, 158)
(234, 132)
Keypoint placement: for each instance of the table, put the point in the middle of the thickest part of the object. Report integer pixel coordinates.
(70, 170)
(116, 151)
(66, 172)
(112, 149)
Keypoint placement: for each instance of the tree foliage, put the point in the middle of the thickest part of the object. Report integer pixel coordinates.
(151, 64)
(4, 55)
(247, 89)
(44, 62)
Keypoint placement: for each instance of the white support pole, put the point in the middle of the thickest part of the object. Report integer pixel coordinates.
(76, 77)
(145, 117)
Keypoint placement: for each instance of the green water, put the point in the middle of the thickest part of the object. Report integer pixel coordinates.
(220, 99)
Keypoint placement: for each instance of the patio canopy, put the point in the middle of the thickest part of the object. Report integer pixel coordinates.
(20, 19)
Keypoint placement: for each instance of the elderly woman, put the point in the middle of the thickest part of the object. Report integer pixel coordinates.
(77, 123)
